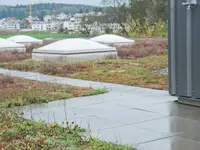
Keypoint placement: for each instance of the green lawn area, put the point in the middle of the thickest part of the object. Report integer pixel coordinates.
(134, 72)
(17, 133)
(19, 92)
(43, 35)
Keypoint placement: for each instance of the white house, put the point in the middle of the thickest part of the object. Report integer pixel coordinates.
(78, 17)
(61, 16)
(29, 18)
(99, 28)
(39, 26)
(1, 24)
(11, 26)
(95, 28)
(115, 27)
(42, 26)
(56, 24)
(72, 25)
(10, 23)
(1, 27)
(48, 18)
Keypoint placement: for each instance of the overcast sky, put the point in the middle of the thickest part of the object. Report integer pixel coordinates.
(15, 2)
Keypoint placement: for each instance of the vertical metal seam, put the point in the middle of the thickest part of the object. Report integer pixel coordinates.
(172, 45)
(189, 51)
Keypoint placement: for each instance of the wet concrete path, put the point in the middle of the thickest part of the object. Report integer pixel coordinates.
(145, 118)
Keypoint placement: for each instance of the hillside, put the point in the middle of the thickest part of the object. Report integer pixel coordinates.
(21, 11)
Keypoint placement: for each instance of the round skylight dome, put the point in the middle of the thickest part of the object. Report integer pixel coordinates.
(6, 45)
(24, 39)
(74, 45)
(70, 50)
(112, 39)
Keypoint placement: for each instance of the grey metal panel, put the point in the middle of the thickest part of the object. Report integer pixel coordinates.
(172, 48)
(181, 74)
(196, 50)
(187, 47)
(169, 48)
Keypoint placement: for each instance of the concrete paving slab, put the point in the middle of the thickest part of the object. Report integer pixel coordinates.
(94, 124)
(174, 109)
(146, 91)
(173, 143)
(100, 108)
(129, 116)
(129, 135)
(193, 135)
(136, 101)
(107, 97)
(169, 125)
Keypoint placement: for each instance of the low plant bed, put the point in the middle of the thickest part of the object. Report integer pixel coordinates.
(135, 72)
(17, 133)
(14, 56)
(144, 48)
(19, 92)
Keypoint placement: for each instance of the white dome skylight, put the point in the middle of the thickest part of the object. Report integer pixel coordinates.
(112, 39)
(74, 45)
(23, 39)
(6, 45)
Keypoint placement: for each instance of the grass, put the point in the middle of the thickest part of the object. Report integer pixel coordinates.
(19, 92)
(42, 35)
(134, 72)
(17, 133)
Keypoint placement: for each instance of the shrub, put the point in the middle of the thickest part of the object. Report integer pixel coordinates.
(144, 48)
(158, 29)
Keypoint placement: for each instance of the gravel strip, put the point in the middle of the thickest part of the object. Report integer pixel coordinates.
(162, 71)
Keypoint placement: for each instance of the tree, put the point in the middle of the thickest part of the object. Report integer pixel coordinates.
(136, 13)
(22, 11)
(81, 11)
(61, 29)
(84, 26)
(108, 30)
(118, 11)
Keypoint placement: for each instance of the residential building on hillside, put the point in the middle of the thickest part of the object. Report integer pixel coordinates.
(39, 26)
(94, 28)
(24, 24)
(43, 26)
(61, 16)
(12, 26)
(72, 25)
(1, 26)
(29, 18)
(48, 18)
(10, 23)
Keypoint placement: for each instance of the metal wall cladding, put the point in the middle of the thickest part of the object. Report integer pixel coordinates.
(178, 46)
(196, 50)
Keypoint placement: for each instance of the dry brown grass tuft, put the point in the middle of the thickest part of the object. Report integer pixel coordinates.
(144, 48)
(54, 69)
(5, 81)
(13, 56)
